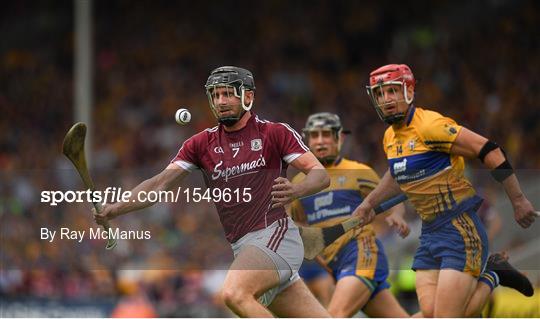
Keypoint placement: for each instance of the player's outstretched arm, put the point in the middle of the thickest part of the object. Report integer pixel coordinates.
(284, 192)
(386, 188)
(166, 180)
(470, 144)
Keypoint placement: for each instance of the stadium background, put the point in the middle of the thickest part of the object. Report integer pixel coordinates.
(477, 62)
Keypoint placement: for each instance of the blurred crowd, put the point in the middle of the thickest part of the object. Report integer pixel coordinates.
(475, 61)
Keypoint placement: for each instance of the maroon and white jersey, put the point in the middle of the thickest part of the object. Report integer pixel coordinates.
(247, 160)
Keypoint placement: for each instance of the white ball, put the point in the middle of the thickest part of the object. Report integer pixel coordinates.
(182, 116)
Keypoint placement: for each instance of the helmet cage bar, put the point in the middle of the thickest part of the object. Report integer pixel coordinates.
(336, 132)
(210, 89)
(376, 90)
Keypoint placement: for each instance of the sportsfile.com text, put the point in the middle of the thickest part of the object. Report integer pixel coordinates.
(113, 194)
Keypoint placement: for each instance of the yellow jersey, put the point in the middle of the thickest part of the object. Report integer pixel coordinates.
(420, 161)
(350, 183)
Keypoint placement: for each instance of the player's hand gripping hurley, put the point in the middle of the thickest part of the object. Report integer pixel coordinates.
(73, 148)
(316, 239)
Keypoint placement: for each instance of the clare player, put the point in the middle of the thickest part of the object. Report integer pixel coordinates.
(425, 153)
(250, 154)
(356, 260)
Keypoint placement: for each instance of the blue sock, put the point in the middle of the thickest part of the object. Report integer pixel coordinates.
(490, 278)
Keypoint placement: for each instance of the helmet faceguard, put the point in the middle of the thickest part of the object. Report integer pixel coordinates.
(241, 80)
(325, 121)
(392, 74)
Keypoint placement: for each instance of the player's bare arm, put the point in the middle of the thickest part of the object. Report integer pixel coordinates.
(471, 145)
(284, 192)
(386, 188)
(169, 178)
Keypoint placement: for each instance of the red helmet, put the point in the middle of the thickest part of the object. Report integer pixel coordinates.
(391, 74)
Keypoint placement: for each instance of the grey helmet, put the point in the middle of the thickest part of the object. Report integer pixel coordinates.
(240, 79)
(325, 120)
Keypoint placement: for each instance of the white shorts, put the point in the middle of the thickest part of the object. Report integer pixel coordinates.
(281, 241)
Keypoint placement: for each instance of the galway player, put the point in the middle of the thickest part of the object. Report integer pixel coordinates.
(425, 152)
(357, 259)
(248, 154)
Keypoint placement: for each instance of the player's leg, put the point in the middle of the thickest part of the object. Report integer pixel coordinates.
(250, 275)
(297, 301)
(384, 305)
(479, 298)
(318, 280)
(426, 288)
(350, 295)
(361, 270)
(507, 275)
(461, 245)
(293, 298)
(322, 288)
(427, 268)
(454, 291)
(290, 297)
(498, 271)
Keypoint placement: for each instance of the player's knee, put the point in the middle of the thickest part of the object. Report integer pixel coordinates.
(338, 312)
(341, 311)
(235, 297)
(428, 311)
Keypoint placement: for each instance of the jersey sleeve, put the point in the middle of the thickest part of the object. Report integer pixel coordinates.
(187, 156)
(289, 142)
(439, 133)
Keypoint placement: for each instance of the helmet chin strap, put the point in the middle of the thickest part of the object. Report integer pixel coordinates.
(229, 121)
(394, 119)
(397, 118)
(331, 159)
(328, 160)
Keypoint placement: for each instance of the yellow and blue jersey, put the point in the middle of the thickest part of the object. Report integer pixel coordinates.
(433, 179)
(350, 183)
(420, 161)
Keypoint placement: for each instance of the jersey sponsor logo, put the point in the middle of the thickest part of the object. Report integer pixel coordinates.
(218, 149)
(256, 144)
(236, 145)
(419, 166)
(237, 170)
(324, 200)
(341, 180)
(326, 213)
(400, 167)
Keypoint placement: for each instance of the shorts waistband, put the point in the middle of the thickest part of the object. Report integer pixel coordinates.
(254, 233)
(469, 205)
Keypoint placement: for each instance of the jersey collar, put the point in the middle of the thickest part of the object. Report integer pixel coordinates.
(411, 114)
(336, 162)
